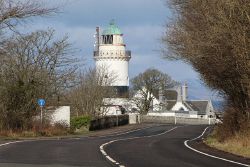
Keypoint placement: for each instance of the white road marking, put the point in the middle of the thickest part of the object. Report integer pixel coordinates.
(112, 141)
(209, 155)
(122, 133)
(77, 138)
(4, 144)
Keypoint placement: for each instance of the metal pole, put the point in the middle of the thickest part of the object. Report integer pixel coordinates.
(41, 116)
(116, 118)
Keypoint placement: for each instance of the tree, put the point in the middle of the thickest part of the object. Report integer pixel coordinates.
(35, 66)
(15, 12)
(213, 36)
(87, 98)
(147, 84)
(32, 65)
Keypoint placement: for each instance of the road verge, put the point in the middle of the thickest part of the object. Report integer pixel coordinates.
(191, 147)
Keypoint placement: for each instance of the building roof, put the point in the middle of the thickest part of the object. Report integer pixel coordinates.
(170, 94)
(193, 105)
(199, 105)
(112, 29)
(170, 104)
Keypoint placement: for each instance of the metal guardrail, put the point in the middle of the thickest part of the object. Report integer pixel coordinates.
(112, 53)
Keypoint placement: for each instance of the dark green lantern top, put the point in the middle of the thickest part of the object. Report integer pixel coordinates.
(112, 29)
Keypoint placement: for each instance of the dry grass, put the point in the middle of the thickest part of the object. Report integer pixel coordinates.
(238, 144)
(37, 131)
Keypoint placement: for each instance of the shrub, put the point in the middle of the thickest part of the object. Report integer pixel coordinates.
(78, 122)
(234, 122)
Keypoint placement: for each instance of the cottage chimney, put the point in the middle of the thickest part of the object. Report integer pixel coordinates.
(184, 92)
(179, 96)
(161, 96)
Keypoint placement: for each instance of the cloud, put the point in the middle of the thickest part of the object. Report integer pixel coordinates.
(141, 21)
(129, 12)
(177, 70)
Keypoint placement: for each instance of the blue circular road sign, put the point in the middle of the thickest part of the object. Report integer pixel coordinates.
(41, 102)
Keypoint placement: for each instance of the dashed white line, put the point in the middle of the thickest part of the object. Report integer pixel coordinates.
(121, 133)
(209, 155)
(104, 153)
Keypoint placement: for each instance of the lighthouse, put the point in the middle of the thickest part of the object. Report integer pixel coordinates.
(110, 52)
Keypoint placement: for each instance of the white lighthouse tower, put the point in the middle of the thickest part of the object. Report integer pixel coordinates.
(110, 52)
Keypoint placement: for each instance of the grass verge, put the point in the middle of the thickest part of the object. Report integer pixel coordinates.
(238, 144)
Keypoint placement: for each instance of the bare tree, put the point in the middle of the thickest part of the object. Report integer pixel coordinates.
(88, 97)
(146, 85)
(15, 12)
(213, 36)
(32, 65)
(35, 66)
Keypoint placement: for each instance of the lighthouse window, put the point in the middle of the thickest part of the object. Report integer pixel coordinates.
(107, 39)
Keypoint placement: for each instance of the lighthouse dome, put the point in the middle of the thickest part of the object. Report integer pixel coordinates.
(112, 29)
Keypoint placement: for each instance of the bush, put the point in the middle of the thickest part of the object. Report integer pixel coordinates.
(234, 122)
(78, 122)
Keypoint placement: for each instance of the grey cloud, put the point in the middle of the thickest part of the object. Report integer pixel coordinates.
(94, 12)
(141, 21)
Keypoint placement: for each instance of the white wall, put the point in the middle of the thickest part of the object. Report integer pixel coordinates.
(161, 114)
(114, 103)
(116, 68)
(61, 114)
(112, 110)
(134, 118)
(178, 106)
(113, 57)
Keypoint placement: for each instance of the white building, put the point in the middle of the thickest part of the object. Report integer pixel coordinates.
(110, 53)
(175, 102)
(60, 114)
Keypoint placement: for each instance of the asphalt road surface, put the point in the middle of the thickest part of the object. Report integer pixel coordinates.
(166, 149)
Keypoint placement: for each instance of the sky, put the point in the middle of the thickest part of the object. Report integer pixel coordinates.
(142, 23)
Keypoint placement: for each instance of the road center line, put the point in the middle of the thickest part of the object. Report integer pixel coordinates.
(209, 155)
(104, 153)
(123, 133)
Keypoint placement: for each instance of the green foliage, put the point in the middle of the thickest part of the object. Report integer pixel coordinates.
(78, 122)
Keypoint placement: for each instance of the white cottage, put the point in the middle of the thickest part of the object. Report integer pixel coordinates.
(175, 103)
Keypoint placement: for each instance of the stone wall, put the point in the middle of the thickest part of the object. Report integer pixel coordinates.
(176, 120)
(108, 122)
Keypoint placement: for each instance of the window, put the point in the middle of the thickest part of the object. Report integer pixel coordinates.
(107, 39)
(181, 109)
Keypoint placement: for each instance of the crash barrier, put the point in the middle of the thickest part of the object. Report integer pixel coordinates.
(108, 122)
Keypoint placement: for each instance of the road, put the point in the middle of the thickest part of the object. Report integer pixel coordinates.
(164, 148)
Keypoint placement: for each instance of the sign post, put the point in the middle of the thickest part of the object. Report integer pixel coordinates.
(41, 103)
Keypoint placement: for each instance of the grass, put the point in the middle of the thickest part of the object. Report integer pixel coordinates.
(238, 144)
(48, 131)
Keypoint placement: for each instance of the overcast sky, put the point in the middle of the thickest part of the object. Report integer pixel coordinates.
(142, 23)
